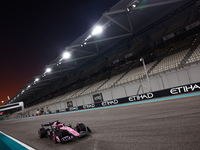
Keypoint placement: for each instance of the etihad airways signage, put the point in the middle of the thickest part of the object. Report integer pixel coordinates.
(185, 89)
(141, 97)
(99, 102)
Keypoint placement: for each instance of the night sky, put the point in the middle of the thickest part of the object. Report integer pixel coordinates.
(33, 33)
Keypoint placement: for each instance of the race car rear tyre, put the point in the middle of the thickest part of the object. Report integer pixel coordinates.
(42, 132)
(80, 127)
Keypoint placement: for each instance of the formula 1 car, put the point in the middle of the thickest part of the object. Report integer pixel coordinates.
(60, 133)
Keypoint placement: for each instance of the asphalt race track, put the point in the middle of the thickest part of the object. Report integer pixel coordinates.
(163, 125)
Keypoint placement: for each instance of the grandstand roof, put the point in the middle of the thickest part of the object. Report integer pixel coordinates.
(128, 19)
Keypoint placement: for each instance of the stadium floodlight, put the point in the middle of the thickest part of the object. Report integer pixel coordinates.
(48, 70)
(28, 87)
(134, 5)
(97, 30)
(66, 55)
(88, 38)
(37, 79)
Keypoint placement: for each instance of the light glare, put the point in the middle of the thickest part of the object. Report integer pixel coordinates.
(66, 55)
(97, 30)
(134, 5)
(48, 70)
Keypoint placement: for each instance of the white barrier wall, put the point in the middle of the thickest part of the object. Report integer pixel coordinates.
(194, 73)
(63, 105)
(187, 75)
(87, 99)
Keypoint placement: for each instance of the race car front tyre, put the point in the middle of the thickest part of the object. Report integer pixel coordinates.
(57, 136)
(80, 127)
(88, 129)
(42, 132)
(54, 137)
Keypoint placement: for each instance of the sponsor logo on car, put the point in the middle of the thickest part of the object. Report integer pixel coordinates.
(66, 138)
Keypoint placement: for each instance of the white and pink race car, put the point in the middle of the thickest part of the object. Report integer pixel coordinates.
(59, 132)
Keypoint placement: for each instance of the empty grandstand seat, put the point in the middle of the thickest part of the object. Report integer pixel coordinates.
(157, 34)
(176, 25)
(195, 57)
(112, 80)
(94, 87)
(169, 62)
(135, 74)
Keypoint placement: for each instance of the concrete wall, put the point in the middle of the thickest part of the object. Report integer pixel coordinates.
(187, 75)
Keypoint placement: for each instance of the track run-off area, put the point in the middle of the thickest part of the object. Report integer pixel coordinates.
(160, 124)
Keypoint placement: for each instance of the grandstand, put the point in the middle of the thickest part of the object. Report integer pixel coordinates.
(165, 35)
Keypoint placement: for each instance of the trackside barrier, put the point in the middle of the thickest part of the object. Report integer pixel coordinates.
(146, 96)
(134, 98)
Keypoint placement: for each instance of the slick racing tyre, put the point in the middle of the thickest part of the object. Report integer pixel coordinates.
(42, 132)
(56, 136)
(80, 127)
(88, 129)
